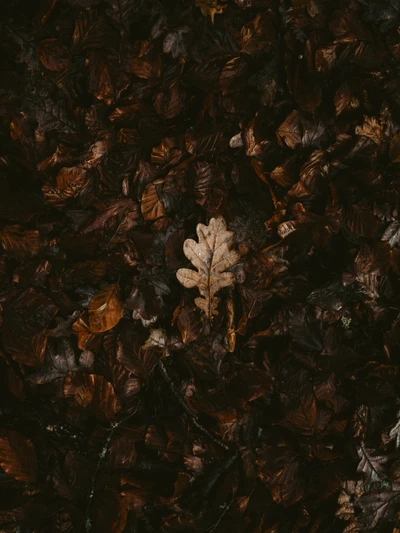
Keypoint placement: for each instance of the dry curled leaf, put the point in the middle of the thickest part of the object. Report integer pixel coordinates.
(105, 309)
(211, 256)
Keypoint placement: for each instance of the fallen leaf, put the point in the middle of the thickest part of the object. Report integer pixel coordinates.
(105, 309)
(92, 392)
(211, 256)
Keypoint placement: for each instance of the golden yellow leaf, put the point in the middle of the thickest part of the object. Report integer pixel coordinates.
(105, 309)
(211, 256)
(210, 7)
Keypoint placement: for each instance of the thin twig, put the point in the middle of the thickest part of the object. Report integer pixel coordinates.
(191, 413)
(212, 528)
(87, 521)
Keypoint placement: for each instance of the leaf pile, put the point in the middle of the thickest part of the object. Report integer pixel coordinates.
(260, 392)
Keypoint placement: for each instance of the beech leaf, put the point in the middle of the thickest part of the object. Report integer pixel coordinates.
(211, 256)
(105, 309)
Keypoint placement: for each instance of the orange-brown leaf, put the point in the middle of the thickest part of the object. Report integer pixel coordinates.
(105, 309)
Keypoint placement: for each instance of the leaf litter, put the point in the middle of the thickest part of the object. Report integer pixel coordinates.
(199, 266)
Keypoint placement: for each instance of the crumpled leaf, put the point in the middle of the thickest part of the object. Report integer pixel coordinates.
(105, 309)
(211, 256)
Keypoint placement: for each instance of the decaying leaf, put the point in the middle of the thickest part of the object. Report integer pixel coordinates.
(105, 309)
(211, 256)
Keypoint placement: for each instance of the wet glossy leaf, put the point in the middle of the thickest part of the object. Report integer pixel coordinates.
(105, 309)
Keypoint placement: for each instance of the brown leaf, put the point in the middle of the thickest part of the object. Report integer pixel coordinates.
(188, 321)
(347, 27)
(18, 457)
(254, 382)
(210, 7)
(230, 336)
(290, 130)
(106, 79)
(24, 336)
(92, 392)
(170, 102)
(122, 452)
(351, 491)
(151, 205)
(70, 182)
(91, 30)
(233, 75)
(86, 339)
(53, 55)
(305, 416)
(361, 221)
(372, 129)
(279, 469)
(20, 242)
(325, 58)
(345, 100)
(394, 150)
(105, 309)
(211, 256)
